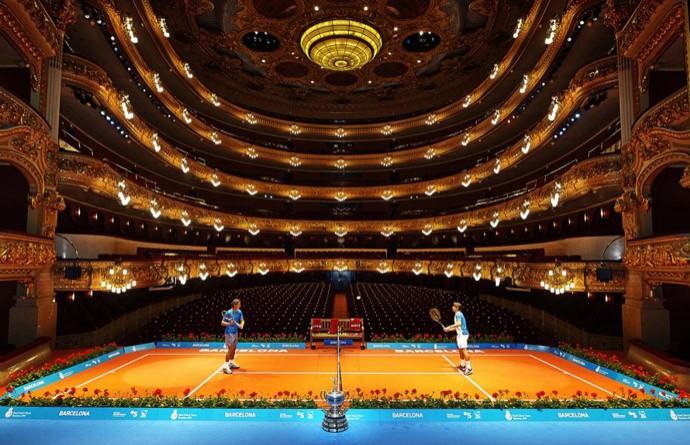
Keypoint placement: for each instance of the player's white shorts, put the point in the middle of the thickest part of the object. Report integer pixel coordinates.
(462, 341)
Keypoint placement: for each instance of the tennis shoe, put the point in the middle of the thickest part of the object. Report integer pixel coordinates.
(227, 370)
(468, 371)
(234, 365)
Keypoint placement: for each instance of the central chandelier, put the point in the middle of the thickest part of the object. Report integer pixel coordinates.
(341, 45)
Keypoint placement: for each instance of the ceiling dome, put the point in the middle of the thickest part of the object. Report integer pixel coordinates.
(341, 45)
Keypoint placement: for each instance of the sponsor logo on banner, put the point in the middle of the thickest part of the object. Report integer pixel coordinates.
(33, 385)
(512, 416)
(407, 415)
(176, 415)
(285, 416)
(114, 354)
(64, 375)
(120, 414)
(143, 414)
(13, 413)
(577, 360)
(452, 416)
(240, 415)
(678, 416)
(572, 415)
(618, 416)
(74, 413)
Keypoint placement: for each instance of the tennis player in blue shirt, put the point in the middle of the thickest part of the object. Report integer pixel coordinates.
(460, 327)
(233, 322)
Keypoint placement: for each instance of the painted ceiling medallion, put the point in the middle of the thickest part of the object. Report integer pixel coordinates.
(341, 45)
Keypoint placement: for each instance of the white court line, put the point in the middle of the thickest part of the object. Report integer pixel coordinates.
(204, 382)
(572, 375)
(468, 378)
(112, 371)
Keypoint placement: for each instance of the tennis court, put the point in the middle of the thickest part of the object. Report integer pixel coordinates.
(272, 373)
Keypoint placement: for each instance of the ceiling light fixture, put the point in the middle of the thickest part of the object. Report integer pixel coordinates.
(186, 116)
(340, 196)
(430, 190)
(387, 161)
(154, 208)
(295, 161)
(184, 165)
(251, 119)
(518, 27)
(340, 231)
(526, 144)
(428, 228)
(450, 270)
(126, 107)
(477, 273)
(340, 132)
(495, 219)
(184, 217)
(467, 180)
(129, 27)
(188, 70)
(553, 108)
(431, 119)
(383, 267)
(295, 231)
(340, 164)
(215, 138)
(251, 189)
(497, 166)
(215, 179)
(297, 267)
(418, 268)
(430, 153)
(494, 71)
(524, 209)
(164, 27)
(295, 129)
(556, 194)
(157, 82)
(294, 194)
(387, 130)
(341, 44)
(253, 229)
(553, 29)
(497, 117)
(214, 100)
(230, 270)
(386, 195)
(387, 231)
(122, 192)
(462, 226)
(466, 139)
(467, 101)
(251, 152)
(524, 84)
(218, 225)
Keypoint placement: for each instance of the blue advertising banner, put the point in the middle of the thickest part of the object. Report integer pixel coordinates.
(56, 377)
(354, 415)
(439, 346)
(240, 345)
(624, 379)
(142, 347)
(334, 342)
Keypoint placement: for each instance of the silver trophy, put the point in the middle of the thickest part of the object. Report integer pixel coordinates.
(334, 420)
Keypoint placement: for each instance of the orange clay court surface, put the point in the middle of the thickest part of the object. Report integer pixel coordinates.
(268, 372)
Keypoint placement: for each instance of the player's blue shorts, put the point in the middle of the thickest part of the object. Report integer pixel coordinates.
(230, 340)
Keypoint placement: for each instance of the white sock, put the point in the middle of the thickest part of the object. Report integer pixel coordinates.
(469, 366)
(227, 364)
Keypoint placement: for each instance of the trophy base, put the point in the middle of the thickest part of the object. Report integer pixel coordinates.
(334, 422)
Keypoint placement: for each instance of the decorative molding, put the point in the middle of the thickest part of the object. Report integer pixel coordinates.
(527, 275)
(21, 256)
(596, 76)
(91, 174)
(664, 259)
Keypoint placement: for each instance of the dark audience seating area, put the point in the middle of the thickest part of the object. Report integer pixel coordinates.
(277, 309)
(396, 309)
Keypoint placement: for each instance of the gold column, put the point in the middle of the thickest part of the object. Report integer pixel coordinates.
(644, 315)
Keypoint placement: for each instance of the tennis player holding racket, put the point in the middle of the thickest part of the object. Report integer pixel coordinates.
(233, 322)
(460, 327)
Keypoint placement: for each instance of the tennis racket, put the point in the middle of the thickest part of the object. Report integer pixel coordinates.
(435, 315)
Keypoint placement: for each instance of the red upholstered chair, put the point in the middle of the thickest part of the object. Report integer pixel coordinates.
(334, 326)
(316, 325)
(355, 324)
